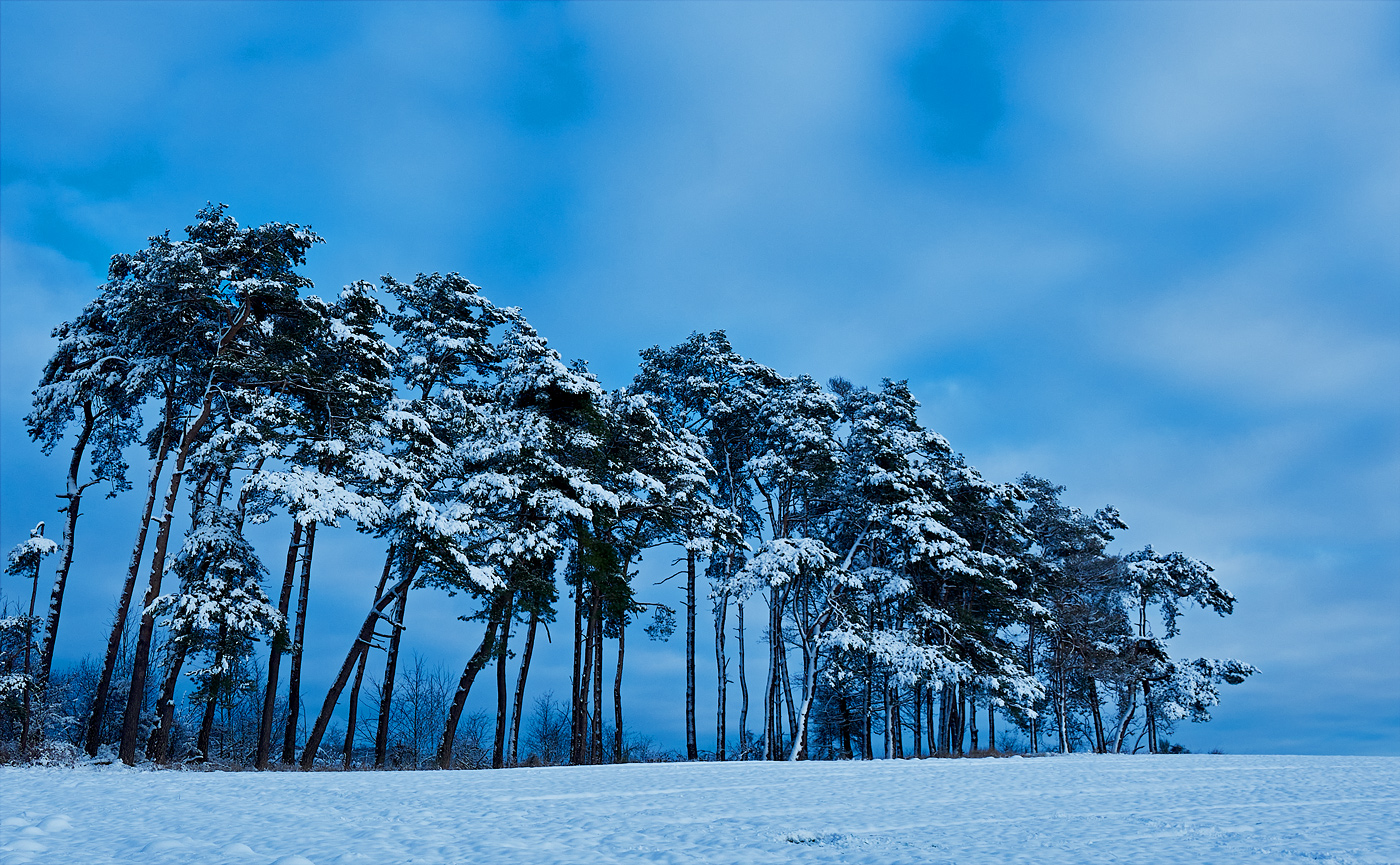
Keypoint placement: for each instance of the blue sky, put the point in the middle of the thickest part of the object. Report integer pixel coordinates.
(1150, 251)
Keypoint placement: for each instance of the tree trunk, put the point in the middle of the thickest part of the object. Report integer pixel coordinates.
(474, 665)
(578, 708)
(1148, 718)
(158, 748)
(354, 701)
(620, 756)
(215, 681)
(809, 691)
(1030, 668)
(206, 727)
(991, 727)
(692, 751)
(74, 495)
(1127, 720)
(498, 751)
(743, 690)
(114, 639)
(274, 655)
(843, 707)
(722, 676)
(1099, 744)
(597, 747)
(386, 685)
(919, 719)
(520, 687)
(131, 720)
(289, 739)
(26, 719)
(360, 646)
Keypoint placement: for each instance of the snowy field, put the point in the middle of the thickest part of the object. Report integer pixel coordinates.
(1076, 809)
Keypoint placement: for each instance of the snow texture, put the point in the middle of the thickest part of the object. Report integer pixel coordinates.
(1194, 809)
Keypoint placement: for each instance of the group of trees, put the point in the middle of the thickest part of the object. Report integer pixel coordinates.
(898, 591)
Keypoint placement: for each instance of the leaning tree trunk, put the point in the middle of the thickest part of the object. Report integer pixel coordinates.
(289, 737)
(274, 657)
(386, 685)
(520, 687)
(498, 749)
(158, 748)
(354, 700)
(133, 570)
(474, 665)
(74, 495)
(357, 649)
(140, 666)
(691, 749)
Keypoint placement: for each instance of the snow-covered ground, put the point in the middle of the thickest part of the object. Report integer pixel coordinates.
(1076, 809)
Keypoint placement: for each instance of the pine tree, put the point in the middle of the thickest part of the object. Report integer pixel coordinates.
(24, 561)
(210, 304)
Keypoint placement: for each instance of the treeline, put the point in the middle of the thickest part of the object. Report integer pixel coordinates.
(895, 592)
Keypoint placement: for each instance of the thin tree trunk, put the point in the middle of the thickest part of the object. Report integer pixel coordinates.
(1148, 717)
(721, 674)
(743, 689)
(386, 685)
(991, 727)
(692, 751)
(919, 719)
(158, 748)
(207, 725)
(357, 649)
(26, 720)
(74, 495)
(1099, 744)
(498, 751)
(578, 711)
(843, 708)
(973, 744)
(289, 739)
(1127, 720)
(597, 747)
(619, 755)
(520, 687)
(1030, 668)
(474, 665)
(114, 639)
(131, 720)
(274, 656)
(215, 681)
(809, 691)
(354, 700)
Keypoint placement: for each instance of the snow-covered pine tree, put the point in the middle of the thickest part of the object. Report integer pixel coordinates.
(446, 356)
(24, 560)
(331, 463)
(707, 389)
(1167, 580)
(796, 457)
(209, 305)
(219, 610)
(89, 380)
